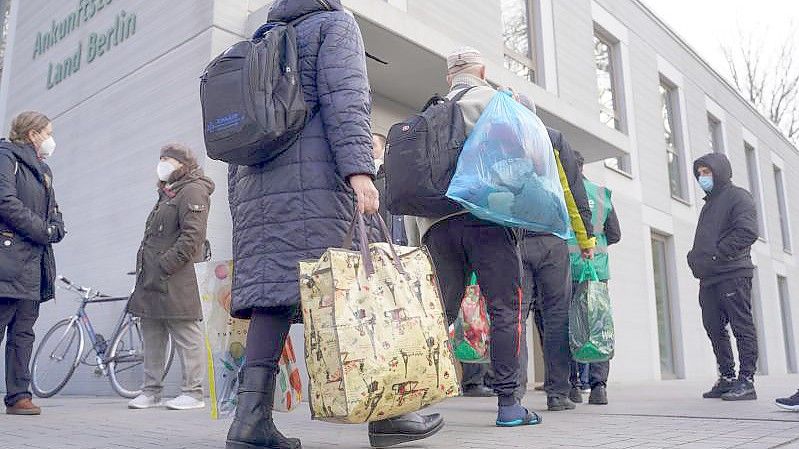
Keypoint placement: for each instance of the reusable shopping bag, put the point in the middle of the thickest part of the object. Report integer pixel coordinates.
(376, 340)
(507, 172)
(470, 334)
(225, 340)
(591, 319)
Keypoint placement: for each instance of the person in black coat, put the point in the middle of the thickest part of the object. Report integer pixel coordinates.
(721, 260)
(29, 224)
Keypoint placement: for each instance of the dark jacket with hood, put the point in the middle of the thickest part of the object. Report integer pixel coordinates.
(174, 238)
(30, 223)
(299, 204)
(727, 227)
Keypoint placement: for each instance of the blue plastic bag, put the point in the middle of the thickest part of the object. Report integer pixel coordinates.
(507, 173)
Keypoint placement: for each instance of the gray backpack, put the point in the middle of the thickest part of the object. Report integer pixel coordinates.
(252, 100)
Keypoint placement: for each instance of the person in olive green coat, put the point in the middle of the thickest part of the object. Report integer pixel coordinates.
(166, 297)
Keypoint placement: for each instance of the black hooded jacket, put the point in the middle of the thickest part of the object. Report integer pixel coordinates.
(727, 227)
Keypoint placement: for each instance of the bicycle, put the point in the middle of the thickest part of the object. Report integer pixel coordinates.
(62, 349)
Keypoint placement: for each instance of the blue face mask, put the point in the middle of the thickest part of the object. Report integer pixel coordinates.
(706, 182)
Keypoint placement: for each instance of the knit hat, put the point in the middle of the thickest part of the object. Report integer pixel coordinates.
(462, 57)
(180, 153)
(527, 102)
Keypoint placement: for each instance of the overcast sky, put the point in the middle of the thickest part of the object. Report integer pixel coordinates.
(707, 24)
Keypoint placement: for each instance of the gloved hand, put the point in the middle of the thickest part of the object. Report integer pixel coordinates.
(56, 231)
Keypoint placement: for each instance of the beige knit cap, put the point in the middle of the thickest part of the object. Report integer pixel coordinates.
(463, 56)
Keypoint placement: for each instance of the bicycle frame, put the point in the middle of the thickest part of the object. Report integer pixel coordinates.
(83, 316)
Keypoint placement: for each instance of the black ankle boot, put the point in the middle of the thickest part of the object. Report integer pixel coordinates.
(253, 427)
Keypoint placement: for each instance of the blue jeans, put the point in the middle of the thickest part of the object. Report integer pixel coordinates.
(579, 374)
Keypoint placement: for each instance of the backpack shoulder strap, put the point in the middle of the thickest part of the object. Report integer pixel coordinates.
(461, 94)
(438, 99)
(263, 29)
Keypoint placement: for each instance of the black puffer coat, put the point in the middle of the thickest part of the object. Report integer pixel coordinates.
(727, 227)
(29, 223)
(299, 204)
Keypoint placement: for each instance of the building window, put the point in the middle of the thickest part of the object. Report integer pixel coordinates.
(669, 107)
(716, 140)
(663, 305)
(754, 187)
(517, 31)
(605, 63)
(787, 324)
(782, 205)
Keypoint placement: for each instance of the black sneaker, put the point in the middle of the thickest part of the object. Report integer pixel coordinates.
(478, 391)
(744, 390)
(559, 403)
(599, 395)
(723, 385)
(576, 395)
(791, 403)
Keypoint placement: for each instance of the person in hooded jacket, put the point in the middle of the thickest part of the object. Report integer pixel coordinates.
(298, 205)
(721, 260)
(30, 223)
(166, 296)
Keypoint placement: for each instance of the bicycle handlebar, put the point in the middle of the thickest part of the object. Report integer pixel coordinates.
(78, 288)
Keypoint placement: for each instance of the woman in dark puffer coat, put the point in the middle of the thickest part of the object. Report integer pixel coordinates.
(298, 205)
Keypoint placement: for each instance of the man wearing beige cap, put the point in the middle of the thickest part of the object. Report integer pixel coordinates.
(461, 243)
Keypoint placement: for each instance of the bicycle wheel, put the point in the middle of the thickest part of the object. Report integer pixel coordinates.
(57, 357)
(126, 360)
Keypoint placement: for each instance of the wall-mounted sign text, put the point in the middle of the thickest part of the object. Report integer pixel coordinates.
(97, 45)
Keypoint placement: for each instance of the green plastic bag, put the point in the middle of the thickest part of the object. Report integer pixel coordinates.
(591, 335)
(470, 333)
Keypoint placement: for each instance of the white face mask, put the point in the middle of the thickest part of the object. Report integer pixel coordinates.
(47, 148)
(165, 170)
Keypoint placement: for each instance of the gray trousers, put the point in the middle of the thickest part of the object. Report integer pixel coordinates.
(189, 343)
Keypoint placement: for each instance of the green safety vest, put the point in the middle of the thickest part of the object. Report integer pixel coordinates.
(599, 201)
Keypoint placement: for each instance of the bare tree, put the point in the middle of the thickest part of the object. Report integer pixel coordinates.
(769, 79)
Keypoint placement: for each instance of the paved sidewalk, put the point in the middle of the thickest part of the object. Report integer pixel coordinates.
(659, 415)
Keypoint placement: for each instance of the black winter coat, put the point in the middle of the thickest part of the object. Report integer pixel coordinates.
(299, 204)
(29, 223)
(727, 227)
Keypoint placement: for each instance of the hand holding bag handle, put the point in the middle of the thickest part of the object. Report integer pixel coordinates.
(363, 241)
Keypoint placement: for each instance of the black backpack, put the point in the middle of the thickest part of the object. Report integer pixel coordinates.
(252, 100)
(421, 156)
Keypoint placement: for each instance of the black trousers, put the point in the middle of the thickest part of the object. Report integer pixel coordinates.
(17, 317)
(463, 244)
(267, 334)
(730, 302)
(547, 285)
